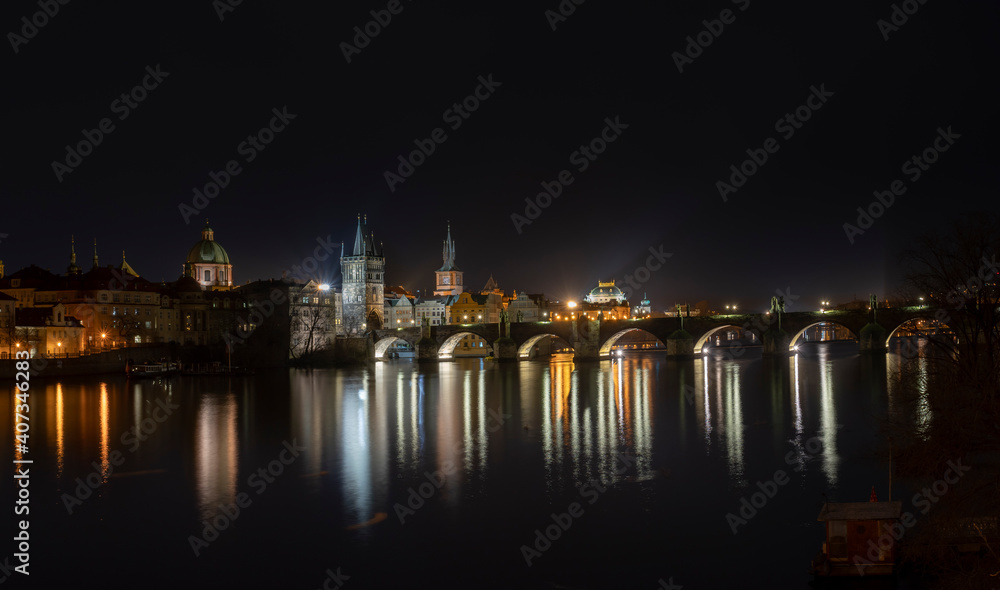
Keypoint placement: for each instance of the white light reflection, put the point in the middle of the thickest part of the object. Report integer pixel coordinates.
(828, 418)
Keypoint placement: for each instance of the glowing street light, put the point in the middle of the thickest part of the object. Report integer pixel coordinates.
(571, 304)
(324, 287)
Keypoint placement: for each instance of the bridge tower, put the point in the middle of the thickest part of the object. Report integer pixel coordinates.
(363, 273)
(448, 278)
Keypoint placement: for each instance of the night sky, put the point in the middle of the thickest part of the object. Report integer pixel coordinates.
(654, 186)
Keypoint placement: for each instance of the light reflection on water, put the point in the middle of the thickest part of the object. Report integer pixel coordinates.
(216, 456)
(371, 434)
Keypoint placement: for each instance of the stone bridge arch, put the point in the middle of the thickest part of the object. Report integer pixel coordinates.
(610, 341)
(385, 342)
(446, 347)
(699, 344)
(524, 349)
(794, 341)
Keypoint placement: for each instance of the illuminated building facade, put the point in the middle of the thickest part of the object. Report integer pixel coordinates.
(208, 262)
(363, 283)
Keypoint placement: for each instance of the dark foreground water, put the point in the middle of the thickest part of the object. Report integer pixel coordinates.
(449, 476)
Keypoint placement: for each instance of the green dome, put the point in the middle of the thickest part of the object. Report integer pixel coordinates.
(208, 252)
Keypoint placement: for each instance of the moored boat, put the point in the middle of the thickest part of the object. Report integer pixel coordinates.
(148, 370)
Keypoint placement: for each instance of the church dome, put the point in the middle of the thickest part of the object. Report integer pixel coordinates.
(207, 250)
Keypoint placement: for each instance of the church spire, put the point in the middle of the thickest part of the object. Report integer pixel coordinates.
(73, 268)
(448, 252)
(359, 238)
(95, 252)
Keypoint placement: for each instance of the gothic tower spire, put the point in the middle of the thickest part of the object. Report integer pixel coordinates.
(73, 269)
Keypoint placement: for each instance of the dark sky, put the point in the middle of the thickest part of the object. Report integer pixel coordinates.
(653, 187)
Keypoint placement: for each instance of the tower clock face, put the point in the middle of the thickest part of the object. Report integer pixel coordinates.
(444, 280)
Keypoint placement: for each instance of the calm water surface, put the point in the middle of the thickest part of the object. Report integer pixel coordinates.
(407, 476)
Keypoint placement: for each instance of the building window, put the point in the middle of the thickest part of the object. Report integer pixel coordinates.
(104, 296)
(315, 299)
(127, 298)
(149, 299)
(208, 276)
(222, 276)
(115, 298)
(305, 300)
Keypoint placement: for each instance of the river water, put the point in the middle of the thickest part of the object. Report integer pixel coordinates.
(467, 474)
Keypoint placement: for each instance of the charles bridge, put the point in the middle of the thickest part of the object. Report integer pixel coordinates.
(682, 337)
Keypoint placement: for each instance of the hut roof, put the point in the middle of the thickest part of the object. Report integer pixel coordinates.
(860, 510)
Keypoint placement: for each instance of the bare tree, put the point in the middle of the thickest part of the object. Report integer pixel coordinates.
(312, 329)
(946, 403)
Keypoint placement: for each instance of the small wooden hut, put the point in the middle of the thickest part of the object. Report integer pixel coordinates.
(852, 545)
